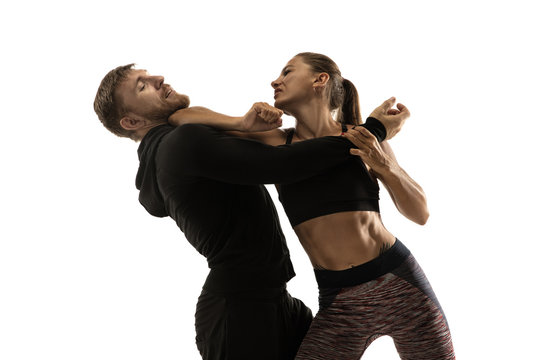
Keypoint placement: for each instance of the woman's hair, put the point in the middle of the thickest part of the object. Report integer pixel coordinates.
(341, 93)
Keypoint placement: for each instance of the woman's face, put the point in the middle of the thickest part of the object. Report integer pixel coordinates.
(294, 86)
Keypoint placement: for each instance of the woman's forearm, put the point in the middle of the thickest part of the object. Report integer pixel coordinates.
(202, 115)
(407, 195)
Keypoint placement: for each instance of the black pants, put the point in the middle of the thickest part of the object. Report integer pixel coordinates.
(263, 324)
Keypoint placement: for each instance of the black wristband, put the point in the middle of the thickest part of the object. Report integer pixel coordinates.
(376, 128)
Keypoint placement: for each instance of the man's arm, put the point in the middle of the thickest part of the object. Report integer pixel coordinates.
(201, 151)
(206, 152)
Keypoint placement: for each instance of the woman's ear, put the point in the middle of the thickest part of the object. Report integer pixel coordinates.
(320, 81)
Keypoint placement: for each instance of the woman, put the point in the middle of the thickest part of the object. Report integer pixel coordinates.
(369, 283)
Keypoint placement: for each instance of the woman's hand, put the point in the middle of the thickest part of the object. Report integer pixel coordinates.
(369, 149)
(406, 193)
(261, 117)
(392, 119)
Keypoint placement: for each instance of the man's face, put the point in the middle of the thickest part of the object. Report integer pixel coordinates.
(144, 96)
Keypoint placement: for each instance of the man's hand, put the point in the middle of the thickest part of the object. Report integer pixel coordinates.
(261, 117)
(369, 149)
(392, 119)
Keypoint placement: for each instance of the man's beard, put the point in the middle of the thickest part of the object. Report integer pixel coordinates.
(158, 115)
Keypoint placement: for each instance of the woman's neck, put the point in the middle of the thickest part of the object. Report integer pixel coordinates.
(315, 120)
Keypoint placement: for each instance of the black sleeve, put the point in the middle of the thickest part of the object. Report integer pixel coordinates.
(201, 151)
(376, 128)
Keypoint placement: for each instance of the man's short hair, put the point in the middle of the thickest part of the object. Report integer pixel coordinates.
(107, 108)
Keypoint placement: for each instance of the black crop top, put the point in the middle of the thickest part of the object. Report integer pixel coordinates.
(346, 187)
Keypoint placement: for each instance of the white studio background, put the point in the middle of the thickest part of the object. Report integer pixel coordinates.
(86, 273)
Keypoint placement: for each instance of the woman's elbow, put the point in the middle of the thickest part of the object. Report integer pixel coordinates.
(177, 119)
(419, 216)
(422, 218)
(423, 211)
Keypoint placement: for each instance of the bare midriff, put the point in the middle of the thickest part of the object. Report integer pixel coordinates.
(343, 240)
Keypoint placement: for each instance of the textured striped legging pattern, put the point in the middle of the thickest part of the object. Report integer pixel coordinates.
(400, 304)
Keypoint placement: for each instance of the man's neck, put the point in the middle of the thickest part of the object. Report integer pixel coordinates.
(140, 133)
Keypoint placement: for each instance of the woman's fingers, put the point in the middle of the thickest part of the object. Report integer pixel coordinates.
(355, 137)
(360, 134)
(356, 152)
(267, 112)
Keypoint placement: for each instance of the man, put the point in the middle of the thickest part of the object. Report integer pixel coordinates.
(210, 184)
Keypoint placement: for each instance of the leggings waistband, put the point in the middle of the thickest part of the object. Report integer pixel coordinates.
(386, 262)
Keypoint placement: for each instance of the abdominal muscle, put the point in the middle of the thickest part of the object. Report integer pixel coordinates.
(343, 240)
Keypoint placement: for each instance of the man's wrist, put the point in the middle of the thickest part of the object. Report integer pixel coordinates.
(376, 128)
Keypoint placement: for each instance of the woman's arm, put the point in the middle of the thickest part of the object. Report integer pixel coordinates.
(202, 115)
(261, 117)
(260, 123)
(406, 194)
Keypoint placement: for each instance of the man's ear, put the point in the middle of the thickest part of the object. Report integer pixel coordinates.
(132, 124)
(320, 81)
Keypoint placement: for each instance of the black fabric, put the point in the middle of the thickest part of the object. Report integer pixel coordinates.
(346, 187)
(290, 133)
(376, 128)
(209, 183)
(247, 326)
(385, 263)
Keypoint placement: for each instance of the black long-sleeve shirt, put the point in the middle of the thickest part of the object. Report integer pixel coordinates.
(210, 184)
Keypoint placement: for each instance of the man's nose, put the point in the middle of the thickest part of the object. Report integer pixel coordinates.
(274, 84)
(158, 81)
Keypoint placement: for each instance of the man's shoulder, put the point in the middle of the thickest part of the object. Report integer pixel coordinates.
(194, 128)
(190, 133)
(193, 136)
(184, 141)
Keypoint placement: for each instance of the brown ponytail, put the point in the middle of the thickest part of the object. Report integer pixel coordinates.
(341, 93)
(350, 110)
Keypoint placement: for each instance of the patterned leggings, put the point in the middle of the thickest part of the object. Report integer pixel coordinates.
(392, 296)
